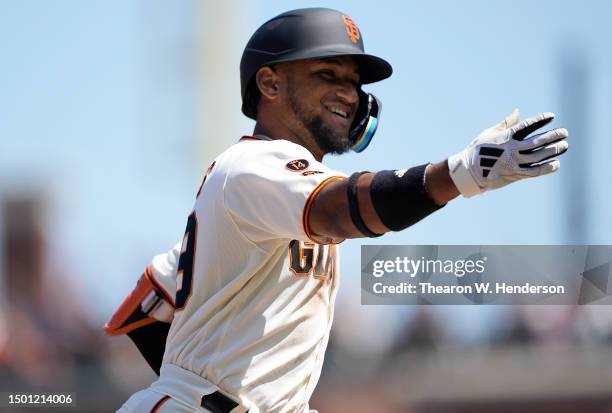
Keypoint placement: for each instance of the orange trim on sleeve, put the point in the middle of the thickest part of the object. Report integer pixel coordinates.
(149, 274)
(309, 201)
(112, 332)
(159, 403)
(117, 324)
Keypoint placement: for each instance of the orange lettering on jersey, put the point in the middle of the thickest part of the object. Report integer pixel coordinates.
(325, 263)
(351, 29)
(300, 257)
(307, 258)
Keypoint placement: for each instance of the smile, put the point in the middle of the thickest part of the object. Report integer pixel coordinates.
(336, 110)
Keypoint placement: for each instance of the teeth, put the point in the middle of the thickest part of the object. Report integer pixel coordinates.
(339, 112)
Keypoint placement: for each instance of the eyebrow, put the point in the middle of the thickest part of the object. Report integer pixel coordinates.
(338, 62)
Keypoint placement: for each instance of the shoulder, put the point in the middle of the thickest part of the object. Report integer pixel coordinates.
(277, 147)
(281, 154)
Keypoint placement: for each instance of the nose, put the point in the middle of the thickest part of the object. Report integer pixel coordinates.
(347, 92)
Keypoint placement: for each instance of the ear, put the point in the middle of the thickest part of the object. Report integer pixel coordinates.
(267, 82)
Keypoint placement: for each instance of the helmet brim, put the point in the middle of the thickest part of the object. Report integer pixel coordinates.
(371, 68)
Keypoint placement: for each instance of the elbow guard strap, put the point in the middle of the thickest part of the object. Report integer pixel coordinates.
(400, 198)
(353, 204)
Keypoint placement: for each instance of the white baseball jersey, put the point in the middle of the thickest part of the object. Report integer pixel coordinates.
(254, 293)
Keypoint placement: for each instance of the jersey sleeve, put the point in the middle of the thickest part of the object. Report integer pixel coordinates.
(269, 191)
(151, 300)
(162, 273)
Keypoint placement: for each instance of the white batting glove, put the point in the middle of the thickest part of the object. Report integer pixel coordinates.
(506, 153)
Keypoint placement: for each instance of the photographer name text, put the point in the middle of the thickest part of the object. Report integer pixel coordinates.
(477, 288)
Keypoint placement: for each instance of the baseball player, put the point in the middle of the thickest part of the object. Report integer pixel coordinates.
(237, 316)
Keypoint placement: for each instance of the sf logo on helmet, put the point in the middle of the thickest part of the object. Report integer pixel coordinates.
(351, 28)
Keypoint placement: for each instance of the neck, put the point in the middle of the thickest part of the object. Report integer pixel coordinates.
(278, 130)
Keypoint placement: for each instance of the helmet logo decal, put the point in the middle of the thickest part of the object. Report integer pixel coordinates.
(351, 28)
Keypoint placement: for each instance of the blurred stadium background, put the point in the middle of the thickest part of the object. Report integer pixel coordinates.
(110, 112)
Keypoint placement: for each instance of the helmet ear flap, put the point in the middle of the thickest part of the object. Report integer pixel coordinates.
(366, 121)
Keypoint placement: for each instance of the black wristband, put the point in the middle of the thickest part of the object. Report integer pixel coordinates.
(400, 198)
(353, 203)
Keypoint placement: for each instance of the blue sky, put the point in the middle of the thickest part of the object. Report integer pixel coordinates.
(99, 115)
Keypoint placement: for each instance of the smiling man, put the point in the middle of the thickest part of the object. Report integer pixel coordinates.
(244, 304)
(321, 94)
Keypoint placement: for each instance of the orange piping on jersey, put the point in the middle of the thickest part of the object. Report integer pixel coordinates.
(309, 201)
(250, 138)
(110, 331)
(159, 403)
(149, 274)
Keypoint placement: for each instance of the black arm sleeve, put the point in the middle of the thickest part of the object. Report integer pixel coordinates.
(400, 198)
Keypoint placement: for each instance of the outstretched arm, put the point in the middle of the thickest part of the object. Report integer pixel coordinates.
(370, 204)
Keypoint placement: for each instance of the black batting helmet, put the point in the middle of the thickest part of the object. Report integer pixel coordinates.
(305, 34)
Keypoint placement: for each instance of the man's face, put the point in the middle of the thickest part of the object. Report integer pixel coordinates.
(322, 97)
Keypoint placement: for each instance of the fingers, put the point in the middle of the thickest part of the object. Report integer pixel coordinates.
(509, 121)
(542, 169)
(543, 139)
(512, 119)
(523, 129)
(543, 154)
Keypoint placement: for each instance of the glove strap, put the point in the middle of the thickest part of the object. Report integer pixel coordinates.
(462, 177)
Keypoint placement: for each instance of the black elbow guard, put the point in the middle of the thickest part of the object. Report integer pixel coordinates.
(151, 342)
(400, 198)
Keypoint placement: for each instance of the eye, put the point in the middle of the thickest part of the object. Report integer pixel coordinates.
(326, 74)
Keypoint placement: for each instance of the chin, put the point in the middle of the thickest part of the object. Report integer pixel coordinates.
(329, 136)
(335, 143)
